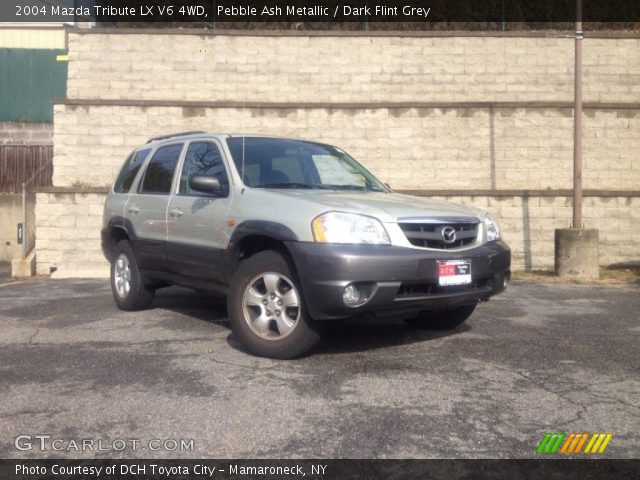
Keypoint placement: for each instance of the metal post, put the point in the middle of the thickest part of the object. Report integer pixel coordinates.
(577, 134)
(504, 10)
(24, 220)
(366, 18)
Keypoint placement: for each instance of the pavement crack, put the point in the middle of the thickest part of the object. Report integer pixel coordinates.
(610, 400)
(33, 335)
(576, 419)
(562, 394)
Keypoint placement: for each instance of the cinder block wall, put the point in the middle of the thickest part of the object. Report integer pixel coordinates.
(20, 133)
(10, 216)
(410, 148)
(69, 224)
(477, 117)
(335, 68)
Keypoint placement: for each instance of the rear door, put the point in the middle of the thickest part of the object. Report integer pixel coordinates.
(146, 208)
(197, 229)
(115, 207)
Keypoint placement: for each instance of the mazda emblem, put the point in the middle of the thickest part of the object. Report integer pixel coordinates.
(448, 234)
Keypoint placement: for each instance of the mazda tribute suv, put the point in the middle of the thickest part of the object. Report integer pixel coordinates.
(294, 233)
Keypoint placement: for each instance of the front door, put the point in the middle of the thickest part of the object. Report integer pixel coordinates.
(196, 221)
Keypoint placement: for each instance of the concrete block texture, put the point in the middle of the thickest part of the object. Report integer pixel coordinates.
(410, 148)
(20, 133)
(359, 68)
(10, 216)
(353, 82)
(576, 253)
(68, 235)
(70, 250)
(24, 267)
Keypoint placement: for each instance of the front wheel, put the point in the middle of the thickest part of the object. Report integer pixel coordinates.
(266, 309)
(442, 320)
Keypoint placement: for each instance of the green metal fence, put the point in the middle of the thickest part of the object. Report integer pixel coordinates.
(29, 81)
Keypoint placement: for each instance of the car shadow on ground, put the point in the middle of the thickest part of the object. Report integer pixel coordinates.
(344, 336)
(352, 335)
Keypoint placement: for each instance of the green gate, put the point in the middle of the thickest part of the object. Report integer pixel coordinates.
(29, 81)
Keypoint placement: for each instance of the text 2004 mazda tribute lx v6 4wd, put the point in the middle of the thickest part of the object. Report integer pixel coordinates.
(295, 233)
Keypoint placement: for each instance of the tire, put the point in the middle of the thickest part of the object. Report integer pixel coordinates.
(129, 292)
(442, 320)
(266, 309)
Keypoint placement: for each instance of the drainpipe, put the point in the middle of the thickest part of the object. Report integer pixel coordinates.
(24, 221)
(576, 249)
(577, 134)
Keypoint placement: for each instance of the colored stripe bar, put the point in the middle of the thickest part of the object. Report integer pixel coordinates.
(542, 446)
(582, 442)
(556, 441)
(596, 446)
(574, 444)
(551, 442)
(594, 437)
(606, 441)
(566, 444)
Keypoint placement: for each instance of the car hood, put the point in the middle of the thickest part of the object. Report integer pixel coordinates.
(387, 207)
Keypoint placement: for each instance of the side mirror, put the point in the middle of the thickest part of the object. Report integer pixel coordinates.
(206, 184)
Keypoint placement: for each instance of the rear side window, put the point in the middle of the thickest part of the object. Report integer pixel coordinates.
(159, 174)
(130, 170)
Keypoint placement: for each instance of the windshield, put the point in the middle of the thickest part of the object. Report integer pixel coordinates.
(284, 163)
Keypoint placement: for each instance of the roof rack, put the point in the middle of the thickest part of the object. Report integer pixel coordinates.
(183, 134)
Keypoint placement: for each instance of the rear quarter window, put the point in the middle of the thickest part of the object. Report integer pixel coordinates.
(129, 170)
(159, 174)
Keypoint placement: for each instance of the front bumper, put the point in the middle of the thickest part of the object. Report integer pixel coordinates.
(397, 280)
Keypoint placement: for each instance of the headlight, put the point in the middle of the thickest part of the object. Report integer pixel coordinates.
(493, 230)
(338, 227)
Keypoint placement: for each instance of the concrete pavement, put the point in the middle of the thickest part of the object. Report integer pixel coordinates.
(538, 358)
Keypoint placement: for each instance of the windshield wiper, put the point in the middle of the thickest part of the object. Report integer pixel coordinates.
(319, 186)
(343, 187)
(352, 187)
(286, 185)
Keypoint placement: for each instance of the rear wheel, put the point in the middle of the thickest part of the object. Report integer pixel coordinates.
(266, 309)
(442, 320)
(129, 292)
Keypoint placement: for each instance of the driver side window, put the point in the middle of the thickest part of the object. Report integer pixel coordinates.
(203, 158)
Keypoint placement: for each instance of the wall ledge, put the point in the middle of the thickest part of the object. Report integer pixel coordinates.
(419, 193)
(90, 102)
(353, 33)
(521, 193)
(72, 190)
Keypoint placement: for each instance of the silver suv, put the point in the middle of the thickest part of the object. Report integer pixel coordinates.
(295, 233)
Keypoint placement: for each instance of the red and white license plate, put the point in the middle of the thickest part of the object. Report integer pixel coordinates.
(454, 272)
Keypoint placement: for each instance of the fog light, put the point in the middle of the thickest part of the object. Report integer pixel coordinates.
(351, 296)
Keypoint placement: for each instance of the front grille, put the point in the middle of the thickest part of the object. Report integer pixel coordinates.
(429, 232)
(424, 289)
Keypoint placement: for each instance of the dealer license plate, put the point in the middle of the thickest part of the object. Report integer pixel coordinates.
(454, 272)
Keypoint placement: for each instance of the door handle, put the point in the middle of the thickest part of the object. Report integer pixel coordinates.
(176, 212)
(133, 210)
